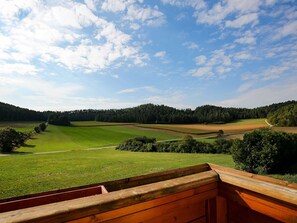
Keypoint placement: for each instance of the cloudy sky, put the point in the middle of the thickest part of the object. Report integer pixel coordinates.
(64, 55)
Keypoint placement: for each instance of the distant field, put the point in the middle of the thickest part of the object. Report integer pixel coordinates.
(202, 129)
(20, 126)
(57, 138)
(93, 123)
(24, 174)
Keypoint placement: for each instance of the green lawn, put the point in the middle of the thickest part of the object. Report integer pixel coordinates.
(58, 138)
(24, 174)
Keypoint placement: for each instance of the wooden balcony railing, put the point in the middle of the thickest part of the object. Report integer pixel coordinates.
(203, 193)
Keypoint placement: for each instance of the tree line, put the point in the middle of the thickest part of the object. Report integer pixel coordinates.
(147, 113)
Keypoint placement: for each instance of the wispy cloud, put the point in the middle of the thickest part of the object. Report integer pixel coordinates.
(271, 93)
(160, 54)
(150, 89)
(190, 45)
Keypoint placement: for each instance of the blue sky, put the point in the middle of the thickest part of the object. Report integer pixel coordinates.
(65, 55)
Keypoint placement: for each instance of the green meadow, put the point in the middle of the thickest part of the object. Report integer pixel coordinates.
(57, 138)
(25, 174)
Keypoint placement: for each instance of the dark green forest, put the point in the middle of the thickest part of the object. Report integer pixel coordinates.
(147, 113)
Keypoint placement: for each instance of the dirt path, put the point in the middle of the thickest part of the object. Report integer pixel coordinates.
(266, 121)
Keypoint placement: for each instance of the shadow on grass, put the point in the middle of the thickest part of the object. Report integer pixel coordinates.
(28, 146)
(14, 153)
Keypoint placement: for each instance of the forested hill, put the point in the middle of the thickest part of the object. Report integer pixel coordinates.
(147, 113)
(13, 113)
(150, 113)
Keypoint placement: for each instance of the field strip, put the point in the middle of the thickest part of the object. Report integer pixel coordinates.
(65, 151)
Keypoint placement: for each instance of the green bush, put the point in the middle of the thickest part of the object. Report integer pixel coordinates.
(37, 129)
(42, 126)
(266, 151)
(10, 139)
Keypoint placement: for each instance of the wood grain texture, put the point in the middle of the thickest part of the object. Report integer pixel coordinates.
(260, 203)
(240, 214)
(276, 191)
(253, 176)
(50, 198)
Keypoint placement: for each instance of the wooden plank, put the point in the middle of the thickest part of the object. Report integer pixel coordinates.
(122, 213)
(268, 206)
(183, 210)
(50, 198)
(149, 204)
(182, 214)
(242, 214)
(285, 194)
(254, 176)
(82, 207)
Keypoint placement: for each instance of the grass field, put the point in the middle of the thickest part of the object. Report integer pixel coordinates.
(57, 138)
(24, 174)
(32, 173)
(20, 126)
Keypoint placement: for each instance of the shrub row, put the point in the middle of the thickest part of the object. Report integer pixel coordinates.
(10, 139)
(186, 145)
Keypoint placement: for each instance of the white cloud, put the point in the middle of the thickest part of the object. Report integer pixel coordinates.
(274, 72)
(115, 5)
(289, 29)
(55, 34)
(245, 87)
(202, 71)
(243, 56)
(270, 2)
(248, 39)
(190, 45)
(222, 69)
(91, 4)
(186, 3)
(200, 60)
(222, 9)
(243, 20)
(18, 68)
(160, 54)
(147, 15)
